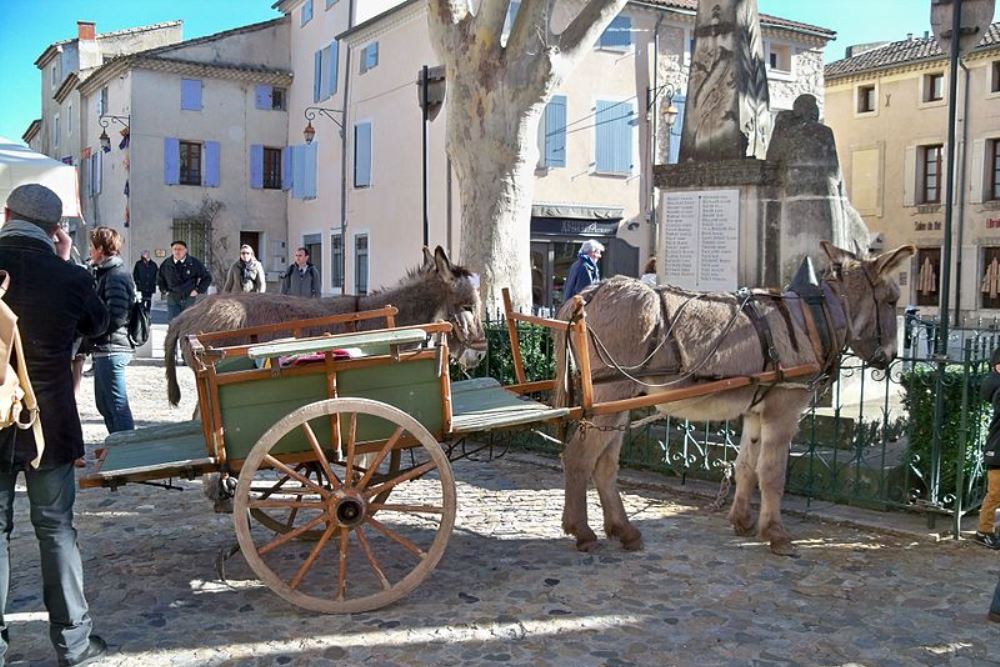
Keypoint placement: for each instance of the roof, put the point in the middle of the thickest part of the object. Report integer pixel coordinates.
(105, 35)
(32, 130)
(905, 51)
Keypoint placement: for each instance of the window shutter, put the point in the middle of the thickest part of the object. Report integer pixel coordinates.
(334, 64)
(317, 75)
(618, 34)
(211, 174)
(676, 130)
(555, 132)
(286, 167)
(309, 189)
(362, 155)
(171, 161)
(910, 176)
(325, 79)
(96, 172)
(981, 180)
(191, 94)
(262, 97)
(256, 166)
(298, 171)
(373, 55)
(604, 136)
(623, 139)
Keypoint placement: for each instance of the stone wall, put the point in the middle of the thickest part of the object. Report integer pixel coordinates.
(807, 77)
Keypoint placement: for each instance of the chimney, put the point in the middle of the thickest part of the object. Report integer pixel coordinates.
(86, 31)
(927, 34)
(909, 36)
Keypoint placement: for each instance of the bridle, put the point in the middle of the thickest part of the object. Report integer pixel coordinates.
(837, 277)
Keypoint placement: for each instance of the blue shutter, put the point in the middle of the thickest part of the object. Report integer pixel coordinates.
(286, 168)
(362, 155)
(256, 166)
(191, 94)
(618, 34)
(676, 131)
(623, 139)
(171, 161)
(325, 83)
(307, 12)
(373, 55)
(262, 97)
(604, 136)
(211, 164)
(613, 149)
(298, 171)
(309, 188)
(555, 132)
(334, 64)
(317, 75)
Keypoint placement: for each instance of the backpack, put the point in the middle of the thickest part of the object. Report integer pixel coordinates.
(138, 324)
(18, 407)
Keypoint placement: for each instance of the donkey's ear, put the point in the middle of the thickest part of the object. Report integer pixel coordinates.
(428, 260)
(836, 255)
(888, 262)
(443, 263)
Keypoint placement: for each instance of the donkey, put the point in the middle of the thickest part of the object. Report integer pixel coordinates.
(668, 338)
(436, 291)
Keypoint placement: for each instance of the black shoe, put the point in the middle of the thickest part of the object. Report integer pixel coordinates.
(987, 539)
(97, 648)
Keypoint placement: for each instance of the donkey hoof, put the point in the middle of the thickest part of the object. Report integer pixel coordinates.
(586, 544)
(633, 544)
(629, 535)
(784, 547)
(743, 528)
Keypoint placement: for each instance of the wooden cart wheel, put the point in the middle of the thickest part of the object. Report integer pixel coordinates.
(360, 562)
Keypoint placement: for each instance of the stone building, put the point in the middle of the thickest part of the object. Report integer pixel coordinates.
(887, 105)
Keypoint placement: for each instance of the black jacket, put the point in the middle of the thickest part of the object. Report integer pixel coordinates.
(990, 391)
(144, 275)
(55, 302)
(177, 279)
(114, 286)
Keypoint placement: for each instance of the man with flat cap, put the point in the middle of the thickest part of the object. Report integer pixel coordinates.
(55, 302)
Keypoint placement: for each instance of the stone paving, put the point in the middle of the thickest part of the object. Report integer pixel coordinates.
(511, 589)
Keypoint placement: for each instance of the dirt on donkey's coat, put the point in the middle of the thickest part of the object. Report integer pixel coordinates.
(436, 291)
(626, 316)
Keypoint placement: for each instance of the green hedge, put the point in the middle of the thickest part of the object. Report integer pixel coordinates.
(536, 353)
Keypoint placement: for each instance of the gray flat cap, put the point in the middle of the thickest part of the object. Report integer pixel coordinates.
(35, 203)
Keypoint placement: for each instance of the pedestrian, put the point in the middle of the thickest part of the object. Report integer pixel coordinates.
(55, 301)
(144, 275)
(584, 271)
(649, 272)
(181, 279)
(246, 275)
(301, 278)
(990, 391)
(111, 349)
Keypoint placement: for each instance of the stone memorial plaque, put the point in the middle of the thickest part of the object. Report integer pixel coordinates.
(701, 232)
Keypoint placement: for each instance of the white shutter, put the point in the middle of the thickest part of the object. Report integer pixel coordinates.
(977, 173)
(910, 176)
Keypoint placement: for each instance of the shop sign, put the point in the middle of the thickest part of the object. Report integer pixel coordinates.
(933, 226)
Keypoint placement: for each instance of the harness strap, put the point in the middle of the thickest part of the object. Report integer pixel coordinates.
(779, 301)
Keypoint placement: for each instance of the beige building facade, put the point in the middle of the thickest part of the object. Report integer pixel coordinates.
(887, 106)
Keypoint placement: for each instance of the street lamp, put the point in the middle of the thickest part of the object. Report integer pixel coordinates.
(311, 112)
(106, 120)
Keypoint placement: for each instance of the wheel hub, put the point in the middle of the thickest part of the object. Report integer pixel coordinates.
(349, 511)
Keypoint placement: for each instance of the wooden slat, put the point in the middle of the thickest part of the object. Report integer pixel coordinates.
(515, 343)
(307, 345)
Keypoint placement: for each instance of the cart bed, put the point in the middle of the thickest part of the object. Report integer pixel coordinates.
(483, 404)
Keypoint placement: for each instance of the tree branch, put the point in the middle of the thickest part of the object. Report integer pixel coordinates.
(530, 26)
(448, 21)
(588, 25)
(490, 18)
(448, 11)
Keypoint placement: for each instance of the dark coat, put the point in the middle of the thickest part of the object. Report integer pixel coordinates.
(114, 286)
(301, 283)
(55, 302)
(177, 279)
(990, 391)
(144, 275)
(582, 274)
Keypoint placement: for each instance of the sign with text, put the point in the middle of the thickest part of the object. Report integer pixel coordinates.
(701, 234)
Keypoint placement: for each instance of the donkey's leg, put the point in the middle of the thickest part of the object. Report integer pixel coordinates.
(779, 423)
(579, 458)
(616, 523)
(740, 515)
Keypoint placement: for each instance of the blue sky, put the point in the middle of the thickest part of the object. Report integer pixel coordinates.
(28, 26)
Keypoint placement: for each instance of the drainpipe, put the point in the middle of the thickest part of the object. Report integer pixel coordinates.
(650, 96)
(961, 194)
(343, 156)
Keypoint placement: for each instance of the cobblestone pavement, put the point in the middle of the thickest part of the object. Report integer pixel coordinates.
(511, 589)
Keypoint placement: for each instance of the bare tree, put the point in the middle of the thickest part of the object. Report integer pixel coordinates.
(497, 94)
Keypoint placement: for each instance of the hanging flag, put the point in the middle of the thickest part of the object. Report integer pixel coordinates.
(124, 142)
(126, 188)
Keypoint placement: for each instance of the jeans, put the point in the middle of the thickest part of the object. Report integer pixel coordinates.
(175, 307)
(991, 502)
(51, 492)
(109, 391)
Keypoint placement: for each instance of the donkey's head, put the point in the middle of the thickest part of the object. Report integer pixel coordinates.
(869, 293)
(459, 304)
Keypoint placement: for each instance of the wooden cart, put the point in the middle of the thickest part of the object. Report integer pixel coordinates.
(344, 497)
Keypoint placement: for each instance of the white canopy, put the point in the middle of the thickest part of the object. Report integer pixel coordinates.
(19, 165)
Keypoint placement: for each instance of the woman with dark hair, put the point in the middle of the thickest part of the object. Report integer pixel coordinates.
(111, 349)
(245, 275)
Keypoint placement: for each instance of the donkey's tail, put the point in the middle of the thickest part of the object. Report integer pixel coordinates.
(170, 357)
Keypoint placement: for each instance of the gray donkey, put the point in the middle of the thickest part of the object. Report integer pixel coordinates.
(436, 291)
(669, 338)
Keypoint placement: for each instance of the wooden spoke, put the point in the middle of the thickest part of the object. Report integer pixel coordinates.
(363, 541)
(285, 504)
(409, 509)
(311, 558)
(320, 455)
(285, 537)
(393, 535)
(342, 569)
(295, 475)
(351, 435)
(386, 448)
(405, 477)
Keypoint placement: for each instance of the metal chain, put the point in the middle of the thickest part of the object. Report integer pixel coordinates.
(585, 424)
(722, 496)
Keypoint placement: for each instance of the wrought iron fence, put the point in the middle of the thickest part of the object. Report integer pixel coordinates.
(909, 437)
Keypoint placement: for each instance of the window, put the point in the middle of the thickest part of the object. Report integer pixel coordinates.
(190, 94)
(866, 98)
(779, 57)
(554, 128)
(995, 172)
(618, 35)
(363, 155)
(995, 77)
(307, 12)
(928, 275)
(933, 87)
(56, 130)
(269, 98)
(69, 120)
(102, 102)
(361, 264)
(278, 96)
(336, 261)
(613, 141)
(330, 3)
(197, 234)
(190, 163)
(369, 57)
(272, 169)
(325, 71)
(990, 282)
(930, 174)
(55, 75)
(96, 173)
